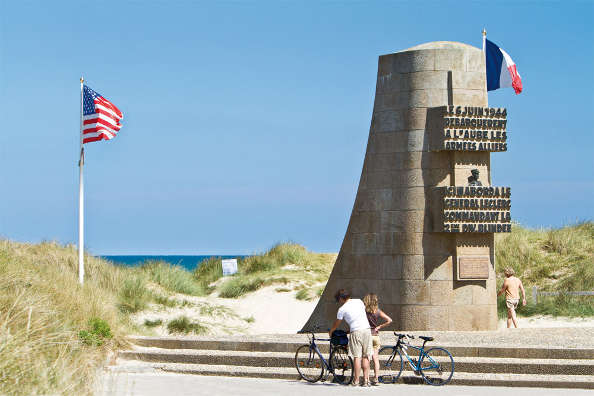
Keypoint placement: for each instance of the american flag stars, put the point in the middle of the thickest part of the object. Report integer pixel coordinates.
(101, 118)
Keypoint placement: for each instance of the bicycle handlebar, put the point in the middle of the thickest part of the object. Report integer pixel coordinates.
(404, 335)
(312, 331)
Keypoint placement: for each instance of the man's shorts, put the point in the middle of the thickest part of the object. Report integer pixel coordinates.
(375, 341)
(512, 303)
(360, 343)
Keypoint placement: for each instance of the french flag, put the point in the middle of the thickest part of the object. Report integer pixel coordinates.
(501, 69)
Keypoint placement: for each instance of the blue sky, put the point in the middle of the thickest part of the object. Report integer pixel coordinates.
(245, 123)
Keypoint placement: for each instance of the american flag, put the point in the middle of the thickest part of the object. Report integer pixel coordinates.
(101, 119)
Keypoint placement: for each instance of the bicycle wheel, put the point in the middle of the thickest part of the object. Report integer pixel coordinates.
(437, 366)
(342, 364)
(308, 363)
(391, 364)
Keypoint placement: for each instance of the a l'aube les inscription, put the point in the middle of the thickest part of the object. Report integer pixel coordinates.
(476, 209)
(473, 267)
(471, 128)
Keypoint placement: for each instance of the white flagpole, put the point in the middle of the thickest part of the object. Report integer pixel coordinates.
(484, 38)
(485, 57)
(81, 197)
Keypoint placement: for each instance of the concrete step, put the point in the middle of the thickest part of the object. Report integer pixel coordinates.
(286, 360)
(545, 352)
(459, 378)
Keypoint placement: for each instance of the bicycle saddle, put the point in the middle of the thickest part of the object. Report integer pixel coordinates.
(426, 338)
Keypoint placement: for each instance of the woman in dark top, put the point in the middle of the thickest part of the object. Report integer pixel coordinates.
(373, 316)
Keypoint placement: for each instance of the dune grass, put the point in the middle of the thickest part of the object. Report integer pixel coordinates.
(183, 325)
(283, 264)
(54, 333)
(558, 260)
(153, 323)
(172, 278)
(133, 294)
(208, 272)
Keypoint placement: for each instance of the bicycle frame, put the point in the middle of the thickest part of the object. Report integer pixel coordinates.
(416, 366)
(314, 348)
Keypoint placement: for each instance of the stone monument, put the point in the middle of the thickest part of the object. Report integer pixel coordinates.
(421, 233)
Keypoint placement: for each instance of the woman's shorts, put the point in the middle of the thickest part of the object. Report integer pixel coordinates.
(375, 340)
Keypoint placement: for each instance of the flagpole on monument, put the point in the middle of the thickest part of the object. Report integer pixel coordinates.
(484, 38)
(81, 197)
(485, 56)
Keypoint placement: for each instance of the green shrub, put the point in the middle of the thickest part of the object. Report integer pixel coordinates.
(100, 327)
(99, 331)
(184, 325)
(133, 295)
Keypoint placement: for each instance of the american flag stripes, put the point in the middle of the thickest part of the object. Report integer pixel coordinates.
(101, 118)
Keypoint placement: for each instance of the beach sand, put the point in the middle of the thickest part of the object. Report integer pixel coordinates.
(267, 311)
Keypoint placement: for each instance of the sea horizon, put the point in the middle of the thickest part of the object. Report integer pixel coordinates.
(189, 262)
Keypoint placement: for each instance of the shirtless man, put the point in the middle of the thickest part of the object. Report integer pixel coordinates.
(512, 286)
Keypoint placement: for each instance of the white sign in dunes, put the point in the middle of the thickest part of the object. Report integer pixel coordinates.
(229, 266)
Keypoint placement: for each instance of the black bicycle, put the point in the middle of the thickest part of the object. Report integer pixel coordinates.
(435, 365)
(311, 365)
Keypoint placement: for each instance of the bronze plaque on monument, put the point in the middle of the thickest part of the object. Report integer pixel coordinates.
(473, 267)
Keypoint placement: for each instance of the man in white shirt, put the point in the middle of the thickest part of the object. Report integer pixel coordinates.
(360, 346)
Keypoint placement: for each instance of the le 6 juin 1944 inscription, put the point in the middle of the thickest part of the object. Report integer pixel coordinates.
(471, 128)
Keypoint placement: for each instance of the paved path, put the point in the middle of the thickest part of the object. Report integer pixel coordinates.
(151, 384)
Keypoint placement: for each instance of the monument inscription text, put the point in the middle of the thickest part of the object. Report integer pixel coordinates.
(476, 209)
(471, 128)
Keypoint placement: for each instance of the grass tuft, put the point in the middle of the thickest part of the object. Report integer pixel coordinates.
(238, 286)
(303, 294)
(165, 301)
(153, 323)
(183, 325)
(209, 271)
(133, 295)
